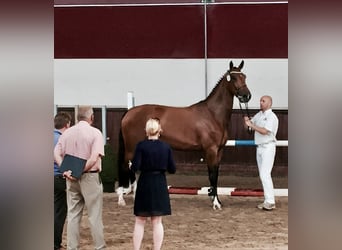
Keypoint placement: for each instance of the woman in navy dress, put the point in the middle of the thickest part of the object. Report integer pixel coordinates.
(152, 158)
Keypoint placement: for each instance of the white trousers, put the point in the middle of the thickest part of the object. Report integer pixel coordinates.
(265, 158)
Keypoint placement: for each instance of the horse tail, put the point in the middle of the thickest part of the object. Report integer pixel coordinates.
(126, 176)
(123, 180)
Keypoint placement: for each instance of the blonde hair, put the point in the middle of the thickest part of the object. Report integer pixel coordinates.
(152, 127)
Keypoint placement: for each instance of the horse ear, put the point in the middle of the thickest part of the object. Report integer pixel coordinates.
(241, 64)
(231, 65)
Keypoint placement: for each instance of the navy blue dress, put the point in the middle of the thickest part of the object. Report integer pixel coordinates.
(152, 158)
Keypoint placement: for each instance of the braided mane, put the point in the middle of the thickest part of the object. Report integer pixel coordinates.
(214, 90)
(216, 86)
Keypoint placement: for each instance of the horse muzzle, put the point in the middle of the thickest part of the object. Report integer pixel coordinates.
(244, 98)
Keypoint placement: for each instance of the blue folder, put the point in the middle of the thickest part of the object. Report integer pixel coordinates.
(73, 163)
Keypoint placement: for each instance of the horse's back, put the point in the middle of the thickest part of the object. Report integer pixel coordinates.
(184, 128)
(138, 115)
(133, 123)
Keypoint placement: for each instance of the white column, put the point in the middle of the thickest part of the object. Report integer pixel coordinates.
(55, 108)
(104, 125)
(130, 99)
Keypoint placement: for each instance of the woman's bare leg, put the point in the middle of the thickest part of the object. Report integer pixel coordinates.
(138, 233)
(158, 232)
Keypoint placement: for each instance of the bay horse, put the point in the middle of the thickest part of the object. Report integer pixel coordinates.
(202, 126)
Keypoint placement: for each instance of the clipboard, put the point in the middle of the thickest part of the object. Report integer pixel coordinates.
(73, 163)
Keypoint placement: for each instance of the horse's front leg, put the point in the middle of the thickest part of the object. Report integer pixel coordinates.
(212, 192)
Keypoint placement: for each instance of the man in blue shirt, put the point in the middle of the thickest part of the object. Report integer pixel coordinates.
(62, 122)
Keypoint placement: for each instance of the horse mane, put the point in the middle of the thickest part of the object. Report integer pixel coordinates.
(214, 90)
(216, 86)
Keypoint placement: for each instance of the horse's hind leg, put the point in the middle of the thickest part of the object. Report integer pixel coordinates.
(120, 193)
(133, 181)
(124, 183)
(212, 192)
(132, 187)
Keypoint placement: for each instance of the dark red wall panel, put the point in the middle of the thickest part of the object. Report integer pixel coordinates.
(129, 32)
(118, 2)
(168, 31)
(247, 31)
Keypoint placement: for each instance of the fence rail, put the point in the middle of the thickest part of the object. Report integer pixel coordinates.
(233, 143)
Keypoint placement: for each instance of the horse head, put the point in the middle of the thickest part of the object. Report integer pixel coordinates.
(237, 81)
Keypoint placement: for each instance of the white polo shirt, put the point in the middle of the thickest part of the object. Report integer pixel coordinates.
(269, 121)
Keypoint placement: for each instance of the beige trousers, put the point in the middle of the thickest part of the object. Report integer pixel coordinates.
(86, 192)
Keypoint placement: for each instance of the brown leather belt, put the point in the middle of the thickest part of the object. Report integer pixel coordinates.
(91, 171)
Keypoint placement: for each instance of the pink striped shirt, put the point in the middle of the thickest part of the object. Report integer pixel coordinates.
(82, 140)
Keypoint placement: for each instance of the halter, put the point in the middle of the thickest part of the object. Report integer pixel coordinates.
(236, 72)
(232, 72)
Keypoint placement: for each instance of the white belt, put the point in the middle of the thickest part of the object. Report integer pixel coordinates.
(266, 143)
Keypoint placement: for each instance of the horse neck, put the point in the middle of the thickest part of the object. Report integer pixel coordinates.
(220, 102)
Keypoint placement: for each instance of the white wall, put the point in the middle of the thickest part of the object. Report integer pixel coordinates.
(174, 82)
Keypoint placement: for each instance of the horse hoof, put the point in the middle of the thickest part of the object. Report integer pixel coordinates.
(217, 207)
(127, 190)
(122, 203)
(216, 203)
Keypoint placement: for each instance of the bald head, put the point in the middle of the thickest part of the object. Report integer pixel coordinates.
(265, 102)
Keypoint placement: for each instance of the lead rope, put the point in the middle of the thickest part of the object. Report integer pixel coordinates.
(247, 113)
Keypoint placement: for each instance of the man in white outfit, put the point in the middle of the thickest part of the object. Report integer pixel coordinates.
(265, 125)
